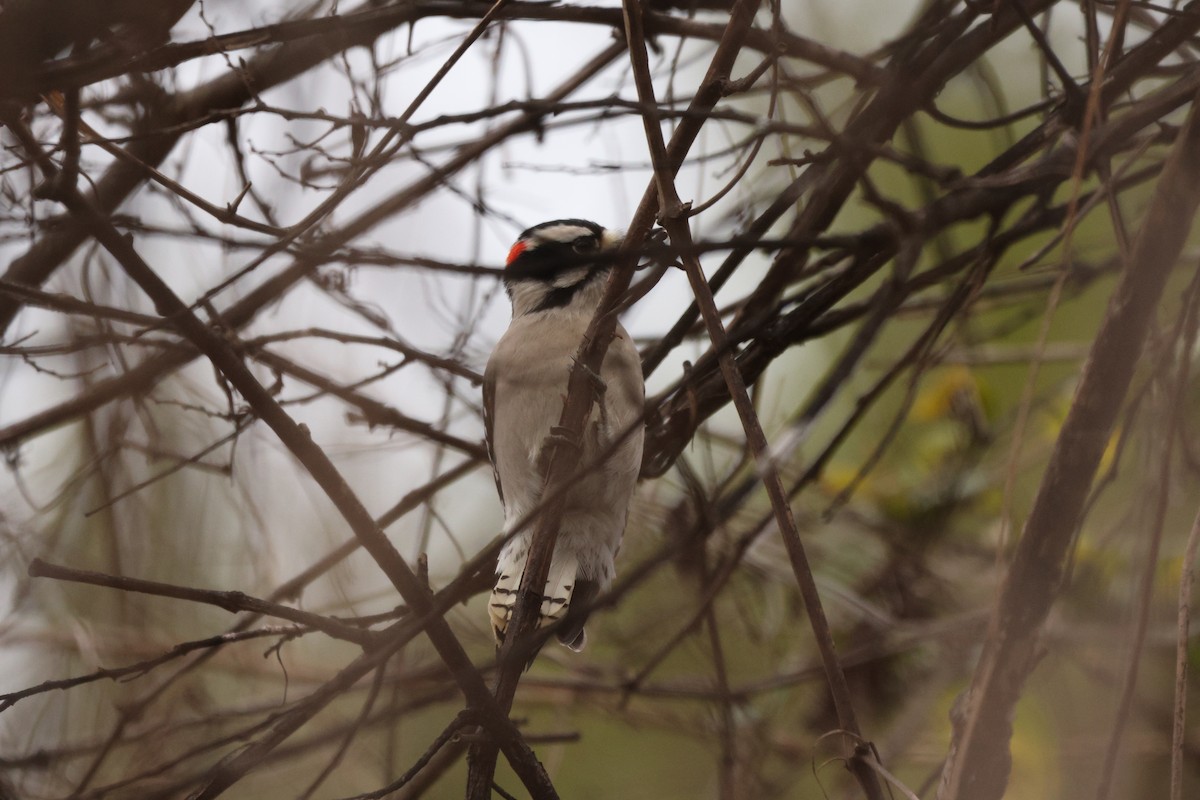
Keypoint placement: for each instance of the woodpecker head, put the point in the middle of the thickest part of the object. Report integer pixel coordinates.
(559, 265)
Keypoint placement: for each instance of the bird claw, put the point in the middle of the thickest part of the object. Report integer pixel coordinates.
(563, 435)
(599, 385)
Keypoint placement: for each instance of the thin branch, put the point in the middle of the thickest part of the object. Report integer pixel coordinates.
(673, 218)
(979, 761)
(143, 667)
(233, 602)
(298, 440)
(561, 460)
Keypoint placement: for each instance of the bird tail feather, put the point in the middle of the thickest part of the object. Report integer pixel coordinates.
(556, 598)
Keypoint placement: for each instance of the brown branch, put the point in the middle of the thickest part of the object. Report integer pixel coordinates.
(297, 439)
(336, 32)
(562, 460)
(10, 699)
(979, 760)
(673, 218)
(233, 602)
(231, 89)
(449, 365)
(59, 301)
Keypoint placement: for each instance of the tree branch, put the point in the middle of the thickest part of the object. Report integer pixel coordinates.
(979, 761)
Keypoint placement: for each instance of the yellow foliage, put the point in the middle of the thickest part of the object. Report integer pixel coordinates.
(1035, 756)
(936, 400)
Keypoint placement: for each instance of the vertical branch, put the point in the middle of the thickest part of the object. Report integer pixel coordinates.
(979, 762)
(1187, 572)
(562, 460)
(727, 727)
(674, 219)
(1162, 490)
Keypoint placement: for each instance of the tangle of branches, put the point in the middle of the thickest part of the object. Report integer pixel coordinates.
(919, 441)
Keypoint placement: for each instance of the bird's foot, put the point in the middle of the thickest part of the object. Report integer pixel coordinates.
(599, 386)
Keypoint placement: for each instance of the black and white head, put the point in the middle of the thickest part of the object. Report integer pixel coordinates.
(559, 265)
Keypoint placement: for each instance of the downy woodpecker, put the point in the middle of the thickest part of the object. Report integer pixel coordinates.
(555, 276)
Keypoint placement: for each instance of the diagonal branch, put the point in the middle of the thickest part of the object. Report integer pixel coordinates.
(674, 219)
(152, 145)
(563, 460)
(223, 355)
(240, 313)
(979, 760)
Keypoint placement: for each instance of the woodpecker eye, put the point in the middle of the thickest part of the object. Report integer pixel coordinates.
(584, 244)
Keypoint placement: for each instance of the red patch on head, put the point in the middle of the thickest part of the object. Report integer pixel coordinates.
(515, 252)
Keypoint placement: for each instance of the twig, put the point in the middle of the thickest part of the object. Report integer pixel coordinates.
(439, 742)
(142, 667)
(562, 460)
(233, 602)
(1162, 491)
(374, 412)
(673, 218)
(239, 426)
(351, 732)
(297, 439)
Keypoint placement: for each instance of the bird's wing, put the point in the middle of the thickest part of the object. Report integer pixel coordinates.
(489, 404)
